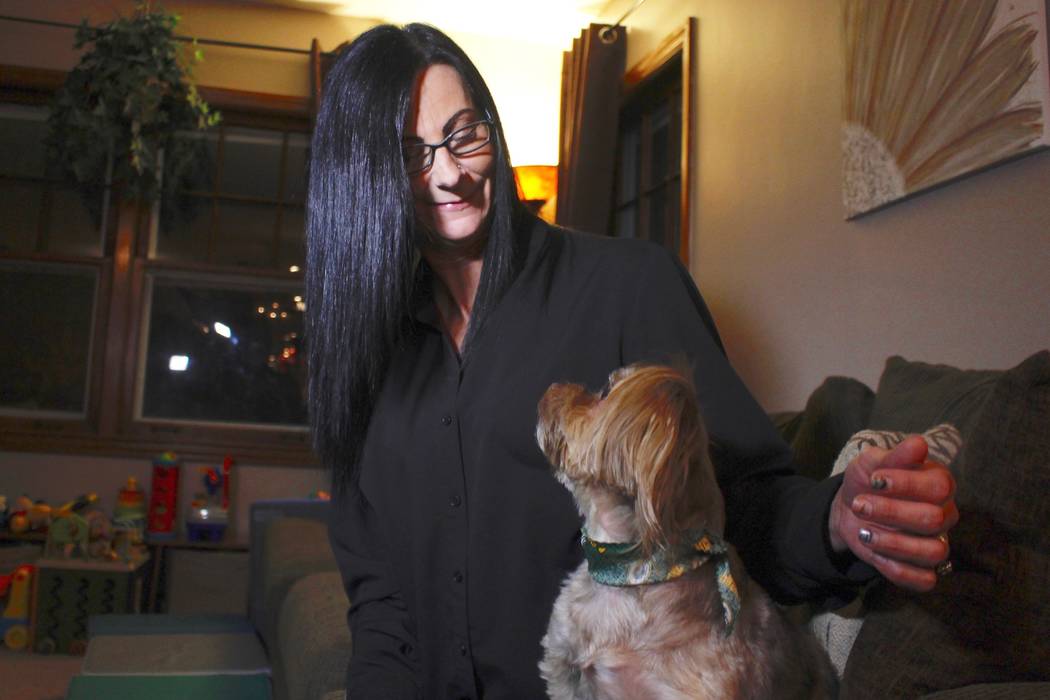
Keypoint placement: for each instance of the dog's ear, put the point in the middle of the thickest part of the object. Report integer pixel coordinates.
(652, 434)
(554, 415)
(665, 463)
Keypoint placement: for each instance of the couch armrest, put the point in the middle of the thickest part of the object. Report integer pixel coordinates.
(262, 513)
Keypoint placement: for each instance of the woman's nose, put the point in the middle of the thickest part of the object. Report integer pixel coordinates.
(445, 168)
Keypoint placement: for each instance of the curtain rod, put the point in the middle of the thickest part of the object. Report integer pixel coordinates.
(605, 33)
(186, 39)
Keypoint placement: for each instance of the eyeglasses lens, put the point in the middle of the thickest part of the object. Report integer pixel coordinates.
(463, 141)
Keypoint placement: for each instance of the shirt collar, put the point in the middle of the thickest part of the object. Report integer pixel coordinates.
(424, 310)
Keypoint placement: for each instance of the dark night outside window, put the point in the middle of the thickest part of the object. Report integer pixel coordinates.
(222, 354)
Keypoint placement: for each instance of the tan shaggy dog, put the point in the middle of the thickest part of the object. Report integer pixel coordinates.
(676, 616)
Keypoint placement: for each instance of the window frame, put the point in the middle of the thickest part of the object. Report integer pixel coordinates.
(109, 426)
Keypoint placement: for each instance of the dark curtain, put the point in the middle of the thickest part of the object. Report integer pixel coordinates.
(590, 105)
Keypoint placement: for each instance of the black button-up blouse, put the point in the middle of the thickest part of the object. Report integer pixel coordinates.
(455, 545)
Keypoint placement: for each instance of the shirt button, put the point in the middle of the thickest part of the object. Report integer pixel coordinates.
(463, 649)
(458, 577)
(455, 501)
(446, 420)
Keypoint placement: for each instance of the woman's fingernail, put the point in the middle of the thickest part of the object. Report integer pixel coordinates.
(878, 483)
(864, 535)
(862, 506)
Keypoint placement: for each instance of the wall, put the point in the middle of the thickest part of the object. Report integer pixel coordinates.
(524, 76)
(957, 275)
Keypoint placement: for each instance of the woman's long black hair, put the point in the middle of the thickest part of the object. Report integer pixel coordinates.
(361, 230)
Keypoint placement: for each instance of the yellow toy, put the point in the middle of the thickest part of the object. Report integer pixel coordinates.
(14, 624)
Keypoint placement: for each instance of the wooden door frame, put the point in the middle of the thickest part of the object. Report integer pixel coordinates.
(682, 42)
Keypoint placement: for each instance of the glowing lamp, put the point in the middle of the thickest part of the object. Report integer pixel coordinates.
(538, 188)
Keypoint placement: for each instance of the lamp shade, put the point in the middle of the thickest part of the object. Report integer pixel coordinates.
(538, 188)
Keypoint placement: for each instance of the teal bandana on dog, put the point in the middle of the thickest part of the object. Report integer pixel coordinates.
(619, 564)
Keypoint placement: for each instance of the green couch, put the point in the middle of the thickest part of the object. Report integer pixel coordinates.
(293, 645)
(983, 632)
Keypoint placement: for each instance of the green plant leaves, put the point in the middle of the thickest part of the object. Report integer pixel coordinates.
(123, 104)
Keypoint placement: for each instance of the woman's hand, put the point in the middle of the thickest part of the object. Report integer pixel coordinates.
(894, 510)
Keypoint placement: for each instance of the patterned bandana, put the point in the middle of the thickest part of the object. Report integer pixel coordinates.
(619, 564)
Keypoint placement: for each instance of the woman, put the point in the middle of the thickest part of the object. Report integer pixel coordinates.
(439, 311)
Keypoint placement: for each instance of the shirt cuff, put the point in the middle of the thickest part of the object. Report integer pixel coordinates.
(842, 573)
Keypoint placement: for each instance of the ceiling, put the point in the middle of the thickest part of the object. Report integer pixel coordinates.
(538, 21)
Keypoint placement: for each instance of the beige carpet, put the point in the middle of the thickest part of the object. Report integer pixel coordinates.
(36, 676)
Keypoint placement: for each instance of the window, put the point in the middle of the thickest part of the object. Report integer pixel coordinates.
(654, 146)
(134, 329)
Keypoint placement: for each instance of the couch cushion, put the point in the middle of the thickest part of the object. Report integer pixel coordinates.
(835, 410)
(912, 396)
(175, 654)
(199, 687)
(314, 637)
(986, 622)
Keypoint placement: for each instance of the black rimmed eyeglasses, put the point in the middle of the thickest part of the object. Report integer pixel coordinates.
(463, 141)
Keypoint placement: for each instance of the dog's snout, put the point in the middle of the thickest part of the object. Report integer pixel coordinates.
(553, 409)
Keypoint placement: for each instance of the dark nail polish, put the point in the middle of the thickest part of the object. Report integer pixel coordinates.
(878, 483)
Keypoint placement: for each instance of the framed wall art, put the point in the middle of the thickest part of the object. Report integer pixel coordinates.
(936, 90)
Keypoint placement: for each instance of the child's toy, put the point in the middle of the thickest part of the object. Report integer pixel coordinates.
(79, 504)
(164, 496)
(68, 534)
(67, 537)
(131, 504)
(39, 515)
(27, 516)
(209, 513)
(14, 624)
(70, 591)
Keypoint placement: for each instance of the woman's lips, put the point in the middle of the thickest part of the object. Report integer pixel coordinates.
(458, 205)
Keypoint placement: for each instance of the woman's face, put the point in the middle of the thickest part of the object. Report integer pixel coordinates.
(452, 196)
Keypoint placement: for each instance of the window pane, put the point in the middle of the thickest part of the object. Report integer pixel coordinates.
(20, 217)
(22, 132)
(251, 162)
(71, 228)
(295, 169)
(212, 355)
(46, 325)
(660, 145)
(627, 186)
(244, 234)
(184, 224)
(293, 237)
(202, 177)
(657, 209)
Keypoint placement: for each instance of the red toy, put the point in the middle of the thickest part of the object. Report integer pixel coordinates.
(164, 497)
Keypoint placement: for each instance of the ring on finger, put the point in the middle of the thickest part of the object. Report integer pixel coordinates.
(944, 568)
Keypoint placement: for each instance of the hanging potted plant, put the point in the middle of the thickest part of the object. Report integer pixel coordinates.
(122, 114)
